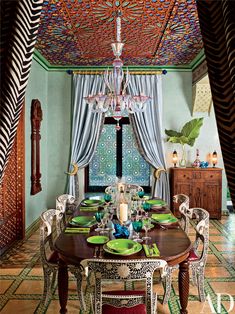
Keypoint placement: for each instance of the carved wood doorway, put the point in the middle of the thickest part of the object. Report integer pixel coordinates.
(12, 193)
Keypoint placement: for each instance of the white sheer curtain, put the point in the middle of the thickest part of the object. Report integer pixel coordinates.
(147, 128)
(86, 125)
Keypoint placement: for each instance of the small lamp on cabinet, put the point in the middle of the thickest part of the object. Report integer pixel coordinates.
(174, 158)
(214, 159)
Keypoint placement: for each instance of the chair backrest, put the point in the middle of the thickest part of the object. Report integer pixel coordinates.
(47, 234)
(61, 202)
(64, 199)
(183, 209)
(126, 270)
(201, 222)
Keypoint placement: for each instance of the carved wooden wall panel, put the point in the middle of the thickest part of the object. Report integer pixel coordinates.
(36, 118)
(12, 193)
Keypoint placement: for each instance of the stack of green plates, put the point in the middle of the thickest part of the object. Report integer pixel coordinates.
(122, 247)
(164, 218)
(156, 203)
(92, 202)
(83, 221)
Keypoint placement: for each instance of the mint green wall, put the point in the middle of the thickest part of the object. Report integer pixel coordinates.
(58, 137)
(36, 89)
(177, 108)
(53, 89)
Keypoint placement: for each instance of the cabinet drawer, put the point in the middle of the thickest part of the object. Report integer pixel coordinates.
(212, 175)
(183, 175)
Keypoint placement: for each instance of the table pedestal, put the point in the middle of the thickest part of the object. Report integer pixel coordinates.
(63, 286)
(183, 281)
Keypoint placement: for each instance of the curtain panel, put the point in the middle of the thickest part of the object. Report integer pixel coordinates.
(147, 128)
(218, 33)
(19, 29)
(86, 125)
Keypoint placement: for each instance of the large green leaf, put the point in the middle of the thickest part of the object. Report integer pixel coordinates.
(181, 140)
(192, 128)
(172, 133)
(191, 141)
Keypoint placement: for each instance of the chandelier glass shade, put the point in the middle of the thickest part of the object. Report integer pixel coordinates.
(116, 102)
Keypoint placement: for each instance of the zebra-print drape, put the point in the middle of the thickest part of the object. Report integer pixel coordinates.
(217, 21)
(19, 28)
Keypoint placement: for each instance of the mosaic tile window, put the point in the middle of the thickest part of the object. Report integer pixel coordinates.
(102, 169)
(134, 168)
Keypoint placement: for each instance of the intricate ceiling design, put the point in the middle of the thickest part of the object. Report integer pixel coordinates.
(155, 32)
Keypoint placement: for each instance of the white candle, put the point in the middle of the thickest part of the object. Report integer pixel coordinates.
(123, 212)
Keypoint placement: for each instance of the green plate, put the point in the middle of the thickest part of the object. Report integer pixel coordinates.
(121, 245)
(92, 202)
(136, 248)
(164, 218)
(156, 202)
(83, 221)
(97, 239)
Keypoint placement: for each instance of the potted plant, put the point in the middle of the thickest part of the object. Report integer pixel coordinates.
(188, 135)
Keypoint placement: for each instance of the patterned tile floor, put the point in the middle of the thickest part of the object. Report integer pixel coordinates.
(22, 278)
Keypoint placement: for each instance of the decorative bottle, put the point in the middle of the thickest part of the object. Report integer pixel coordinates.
(197, 162)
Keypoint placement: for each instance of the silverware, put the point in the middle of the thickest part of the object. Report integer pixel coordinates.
(150, 249)
(96, 251)
(101, 252)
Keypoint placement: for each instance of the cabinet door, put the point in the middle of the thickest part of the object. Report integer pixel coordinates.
(197, 199)
(212, 199)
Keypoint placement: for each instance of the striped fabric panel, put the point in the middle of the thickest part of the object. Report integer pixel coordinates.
(217, 21)
(19, 33)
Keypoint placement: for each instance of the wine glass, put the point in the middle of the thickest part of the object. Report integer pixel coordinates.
(141, 194)
(104, 220)
(107, 198)
(99, 216)
(146, 227)
(137, 226)
(146, 207)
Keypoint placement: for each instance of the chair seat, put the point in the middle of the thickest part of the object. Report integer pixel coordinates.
(193, 256)
(137, 309)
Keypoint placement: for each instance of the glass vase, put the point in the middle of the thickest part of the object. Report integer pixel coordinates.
(183, 161)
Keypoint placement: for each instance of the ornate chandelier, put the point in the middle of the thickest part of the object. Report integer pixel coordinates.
(116, 102)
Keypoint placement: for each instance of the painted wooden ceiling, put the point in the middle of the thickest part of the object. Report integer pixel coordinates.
(155, 32)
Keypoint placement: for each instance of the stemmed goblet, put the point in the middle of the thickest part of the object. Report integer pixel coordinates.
(137, 226)
(146, 227)
(146, 207)
(107, 198)
(99, 216)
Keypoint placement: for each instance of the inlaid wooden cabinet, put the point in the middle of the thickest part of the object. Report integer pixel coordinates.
(203, 186)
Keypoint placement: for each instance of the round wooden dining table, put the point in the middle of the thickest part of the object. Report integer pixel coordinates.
(172, 242)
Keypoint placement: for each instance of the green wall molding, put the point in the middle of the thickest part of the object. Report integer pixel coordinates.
(170, 68)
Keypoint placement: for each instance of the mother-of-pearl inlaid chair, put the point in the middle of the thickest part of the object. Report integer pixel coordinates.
(50, 259)
(183, 201)
(198, 254)
(121, 270)
(61, 203)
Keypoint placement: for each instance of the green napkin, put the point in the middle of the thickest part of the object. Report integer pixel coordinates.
(88, 209)
(77, 230)
(155, 250)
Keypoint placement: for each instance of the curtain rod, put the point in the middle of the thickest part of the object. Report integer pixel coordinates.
(93, 72)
